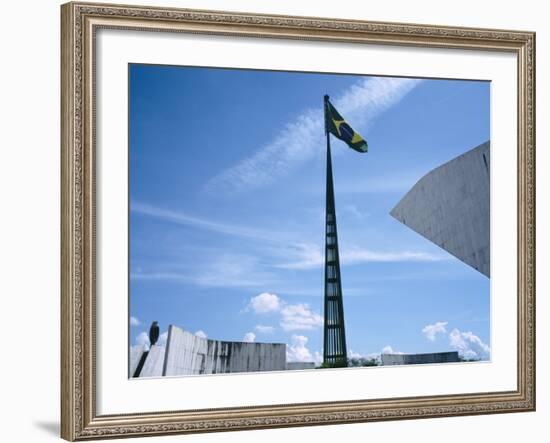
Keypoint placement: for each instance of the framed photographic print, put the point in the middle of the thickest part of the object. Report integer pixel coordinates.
(283, 221)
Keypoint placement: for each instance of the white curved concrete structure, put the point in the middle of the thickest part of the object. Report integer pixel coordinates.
(450, 206)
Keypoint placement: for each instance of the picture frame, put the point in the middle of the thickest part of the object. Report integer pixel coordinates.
(80, 177)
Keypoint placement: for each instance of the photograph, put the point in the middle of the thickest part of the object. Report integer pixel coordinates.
(283, 220)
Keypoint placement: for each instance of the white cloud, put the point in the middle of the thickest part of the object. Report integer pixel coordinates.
(358, 255)
(232, 270)
(353, 354)
(264, 303)
(293, 317)
(299, 317)
(318, 357)
(163, 338)
(142, 339)
(134, 321)
(242, 270)
(298, 141)
(431, 331)
(200, 333)
(468, 345)
(369, 97)
(297, 350)
(310, 257)
(223, 271)
(249, 337)
(182, 218)
(371, 356)
(389, 350)
(355, 211)
(263, 329)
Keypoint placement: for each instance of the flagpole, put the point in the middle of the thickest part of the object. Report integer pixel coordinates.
(326, 347)
(334, 339)
(327, 133)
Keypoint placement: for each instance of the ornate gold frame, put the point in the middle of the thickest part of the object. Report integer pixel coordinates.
(79, 420)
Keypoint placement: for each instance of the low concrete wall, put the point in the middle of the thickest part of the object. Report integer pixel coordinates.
(135, 355)
(294, 365)
(417, 359)
(154, 363)
(187, 354)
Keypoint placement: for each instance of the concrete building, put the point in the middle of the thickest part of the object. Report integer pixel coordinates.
(418, 359)
(450, 207)
(188, 354)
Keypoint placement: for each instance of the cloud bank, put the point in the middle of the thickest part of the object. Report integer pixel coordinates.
(469, 346)
(297, 350)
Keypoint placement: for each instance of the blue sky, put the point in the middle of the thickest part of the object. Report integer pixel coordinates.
(227, 192)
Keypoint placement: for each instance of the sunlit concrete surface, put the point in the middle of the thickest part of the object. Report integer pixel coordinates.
(135, 355)
(450, 206)
(154, 362)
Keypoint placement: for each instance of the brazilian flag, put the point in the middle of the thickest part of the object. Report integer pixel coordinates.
(337, 126)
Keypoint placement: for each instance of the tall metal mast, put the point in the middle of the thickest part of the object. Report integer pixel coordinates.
(334, 341)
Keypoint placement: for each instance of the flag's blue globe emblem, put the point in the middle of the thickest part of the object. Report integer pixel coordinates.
(337, 126)
(346, 133)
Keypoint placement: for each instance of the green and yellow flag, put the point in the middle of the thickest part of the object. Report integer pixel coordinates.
(337, 126)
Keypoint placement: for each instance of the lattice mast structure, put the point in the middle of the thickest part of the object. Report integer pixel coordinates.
(334, 340)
